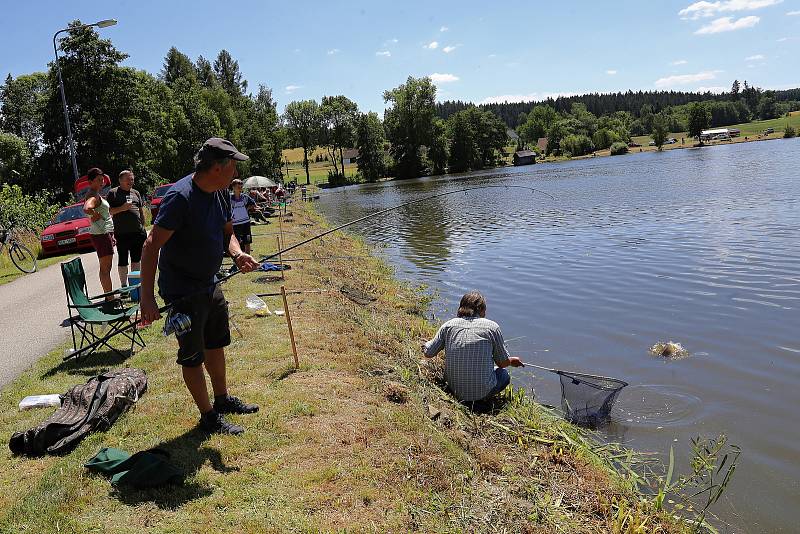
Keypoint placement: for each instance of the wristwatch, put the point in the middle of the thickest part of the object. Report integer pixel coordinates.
(236, 256)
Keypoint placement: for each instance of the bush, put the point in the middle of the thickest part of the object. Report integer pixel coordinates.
(618, 149)
(18, 209)
(577, 145)
(789, 132)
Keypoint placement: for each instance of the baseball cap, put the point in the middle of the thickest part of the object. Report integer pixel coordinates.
(224, 148)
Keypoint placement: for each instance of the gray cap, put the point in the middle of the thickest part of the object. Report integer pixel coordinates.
(224, 148)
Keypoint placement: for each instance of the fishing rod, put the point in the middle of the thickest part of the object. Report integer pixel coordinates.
(180, 326)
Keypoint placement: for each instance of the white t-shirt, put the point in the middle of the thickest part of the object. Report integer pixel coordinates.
(239, 208)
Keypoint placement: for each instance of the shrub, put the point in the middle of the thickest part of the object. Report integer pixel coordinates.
(18, 209)
(618, 149)
(789, 132)
(577, 145)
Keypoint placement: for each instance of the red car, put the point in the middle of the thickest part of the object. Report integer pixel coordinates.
(69, 232)
(155, 200)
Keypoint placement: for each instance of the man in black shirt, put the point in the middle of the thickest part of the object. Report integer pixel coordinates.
(127, 209)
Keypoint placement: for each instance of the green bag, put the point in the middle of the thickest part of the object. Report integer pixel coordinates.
(145, 469)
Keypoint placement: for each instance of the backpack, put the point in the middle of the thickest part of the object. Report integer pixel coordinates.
(95, 405)
(145, 469)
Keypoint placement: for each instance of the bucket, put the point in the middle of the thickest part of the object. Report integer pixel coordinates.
(134, 279)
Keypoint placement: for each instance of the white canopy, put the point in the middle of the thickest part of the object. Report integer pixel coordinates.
(258, 181)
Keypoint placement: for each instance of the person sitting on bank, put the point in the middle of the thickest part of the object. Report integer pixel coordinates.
(473, 345)
(189, 232)
(242, 206)
(127, 211)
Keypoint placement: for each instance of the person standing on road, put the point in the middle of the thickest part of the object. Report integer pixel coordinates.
(242, 206)
(101, 229)
(127, 210)
(190, 232)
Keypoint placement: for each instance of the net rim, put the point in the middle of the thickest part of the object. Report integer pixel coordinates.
(620, 383)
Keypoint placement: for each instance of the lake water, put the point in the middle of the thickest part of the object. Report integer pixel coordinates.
(697, 246)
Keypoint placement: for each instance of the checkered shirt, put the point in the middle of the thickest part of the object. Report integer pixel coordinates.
(472, 346)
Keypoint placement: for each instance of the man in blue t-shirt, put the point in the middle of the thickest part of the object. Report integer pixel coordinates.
(190, 232)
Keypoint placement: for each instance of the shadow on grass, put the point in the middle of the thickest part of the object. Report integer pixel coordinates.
(91, 365)
(188, 454)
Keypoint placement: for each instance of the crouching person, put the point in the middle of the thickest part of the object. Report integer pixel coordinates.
(189, 232)
(473, 345)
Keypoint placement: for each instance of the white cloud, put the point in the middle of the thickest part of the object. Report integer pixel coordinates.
(686, 79)
(491, 55)
(448, 49)
(383, 53)
(792, 13)
(726, 24)
(433, 45)
(611, 72)
(388, 42)
(443, 29)
(754, 58)
(709, 9)
(443, 78)
(333, 51)
(530, 97)
(679, 62)
(292, 88)
(783, 39)
(713, 89)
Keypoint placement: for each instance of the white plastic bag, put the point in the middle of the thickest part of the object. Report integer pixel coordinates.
(40, 401)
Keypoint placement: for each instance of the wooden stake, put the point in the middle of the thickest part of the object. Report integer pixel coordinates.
(289, 322)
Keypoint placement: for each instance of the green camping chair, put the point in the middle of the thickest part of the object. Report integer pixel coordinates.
(85, 315)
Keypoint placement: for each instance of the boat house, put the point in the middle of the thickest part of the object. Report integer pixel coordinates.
(524, 157)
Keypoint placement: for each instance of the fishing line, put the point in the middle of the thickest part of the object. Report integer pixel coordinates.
(466, 190)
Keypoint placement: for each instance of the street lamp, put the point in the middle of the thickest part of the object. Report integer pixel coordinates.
(101, 24)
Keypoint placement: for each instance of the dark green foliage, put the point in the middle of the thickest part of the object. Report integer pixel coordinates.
(125, 118)
(338, 118)
(303, 118)
(789, 132)
(699, 119)
(438, 150)
(618, 149)
(475, 138)
(659, 130)
(370, 141)
(576, 145)
(408, 124)
(32, 212)
(536, 124)
(15, 158)
(767, 107)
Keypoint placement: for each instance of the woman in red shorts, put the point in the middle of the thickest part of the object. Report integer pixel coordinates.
(102, 227)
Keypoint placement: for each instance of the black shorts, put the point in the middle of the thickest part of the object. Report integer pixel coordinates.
(209, 315)
(242, 233)
(130, 243)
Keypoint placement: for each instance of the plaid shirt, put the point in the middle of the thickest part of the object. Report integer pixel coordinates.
(472, 346)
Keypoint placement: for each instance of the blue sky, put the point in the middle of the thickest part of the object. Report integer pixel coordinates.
(475, 51)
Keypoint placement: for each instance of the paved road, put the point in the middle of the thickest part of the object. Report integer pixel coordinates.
(32, 309)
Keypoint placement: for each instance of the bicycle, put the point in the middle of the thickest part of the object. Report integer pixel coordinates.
(21, 256)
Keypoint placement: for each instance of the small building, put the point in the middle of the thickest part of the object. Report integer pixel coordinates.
(714, 134)
(350, 156)
(734, 132)
(524, 157)
(541, 144)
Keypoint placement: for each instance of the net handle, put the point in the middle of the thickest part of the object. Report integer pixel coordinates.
(560, 372)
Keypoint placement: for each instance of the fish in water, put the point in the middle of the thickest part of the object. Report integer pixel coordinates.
(669, 349)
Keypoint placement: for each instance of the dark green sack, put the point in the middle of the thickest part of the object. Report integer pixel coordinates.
(145, 469)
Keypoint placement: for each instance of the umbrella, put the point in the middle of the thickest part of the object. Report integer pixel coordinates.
(258, 181)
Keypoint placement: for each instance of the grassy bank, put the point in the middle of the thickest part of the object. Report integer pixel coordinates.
(360, 438)
(9, 273)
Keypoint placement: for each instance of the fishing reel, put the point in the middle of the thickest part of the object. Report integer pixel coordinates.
(178, 324)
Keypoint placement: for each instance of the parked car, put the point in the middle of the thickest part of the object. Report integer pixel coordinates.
(633, 144)
(651, 143)
(670, 141)
(155, 199)
(769, 131)
(68, 232)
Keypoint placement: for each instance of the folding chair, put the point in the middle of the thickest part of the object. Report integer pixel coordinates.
(85, 315)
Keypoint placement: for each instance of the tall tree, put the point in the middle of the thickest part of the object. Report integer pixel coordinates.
(338, 116)
(205, 73)
(538, 122)
(370, 141)
(438, 151)
(177, 66)
(228, 74)
(659, 130)
(409, 123)
(303, 119)
(15, 159)
(699, 119)
(735, 90)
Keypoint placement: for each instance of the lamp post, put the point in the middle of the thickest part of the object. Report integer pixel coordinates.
(101, 24)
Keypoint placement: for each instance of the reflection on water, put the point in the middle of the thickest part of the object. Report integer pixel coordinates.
(696, 246)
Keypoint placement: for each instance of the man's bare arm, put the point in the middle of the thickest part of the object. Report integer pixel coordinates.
(152, 245)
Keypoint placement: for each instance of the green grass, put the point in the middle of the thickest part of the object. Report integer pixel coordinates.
(328, 451)
(9, 273)
(749, 129)
(318, 172)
